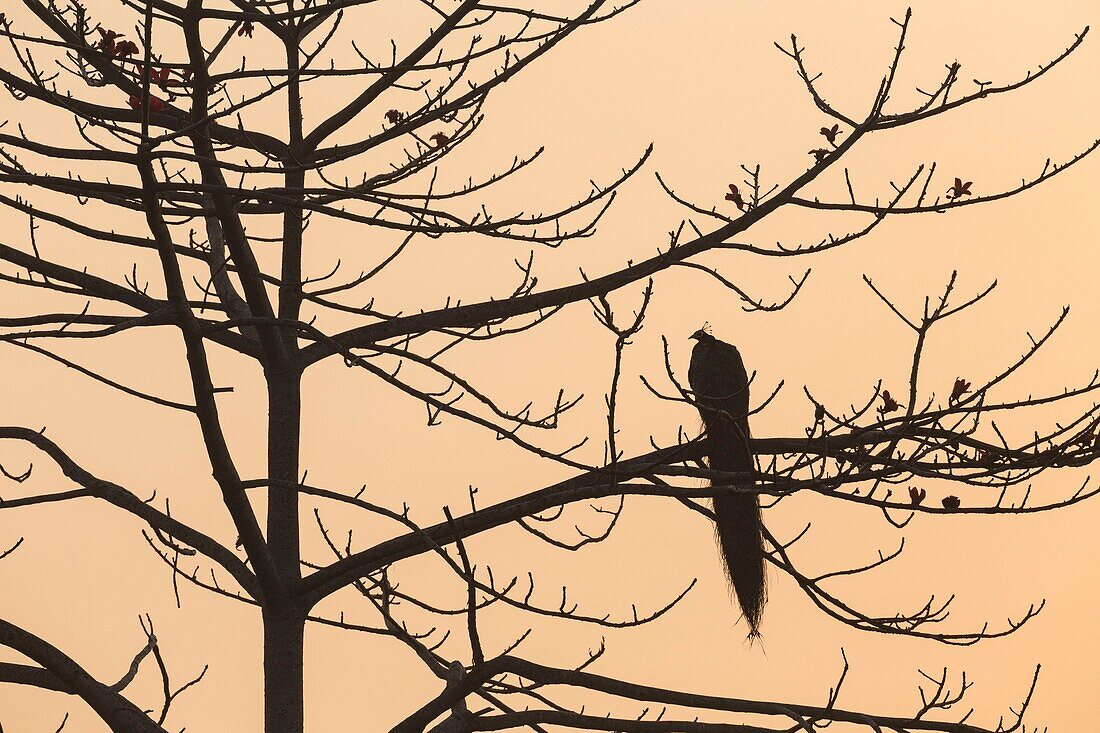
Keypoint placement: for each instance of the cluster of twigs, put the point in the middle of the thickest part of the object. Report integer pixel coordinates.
(178, 123)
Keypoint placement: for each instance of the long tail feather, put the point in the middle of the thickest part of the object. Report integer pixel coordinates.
(738, 523)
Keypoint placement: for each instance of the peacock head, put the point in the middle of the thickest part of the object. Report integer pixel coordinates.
(703, 334)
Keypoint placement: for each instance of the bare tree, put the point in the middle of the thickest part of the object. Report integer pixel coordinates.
(169, 137)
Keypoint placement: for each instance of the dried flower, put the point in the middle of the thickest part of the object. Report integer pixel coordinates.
(961, 387)
(889, 404)
(959, 189)
(830, 133)
(735, 196)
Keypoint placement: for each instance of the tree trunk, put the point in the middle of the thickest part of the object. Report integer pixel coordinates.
(283, 698)
(284, 620)
(284, 427)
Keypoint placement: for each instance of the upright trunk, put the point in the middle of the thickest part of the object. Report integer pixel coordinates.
(284, 623)
(283, 699)
(283, 618)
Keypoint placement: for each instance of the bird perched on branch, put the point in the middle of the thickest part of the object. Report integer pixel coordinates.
(721, 388)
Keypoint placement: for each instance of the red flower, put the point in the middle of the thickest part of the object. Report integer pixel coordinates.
(950, 502)
(819, 154)
(916, 496)
(889, 404)
(394, 116)
(106, 42)
(126, 49)
(109, 44)
(959, 189)
(157, 76)
(735, 196)
(830, 133)
(156, 104)
(440, 139)
(961, 387)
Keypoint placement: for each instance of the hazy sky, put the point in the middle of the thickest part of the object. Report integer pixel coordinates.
(703, 83)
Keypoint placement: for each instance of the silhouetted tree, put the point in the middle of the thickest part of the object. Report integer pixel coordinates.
(170, 136)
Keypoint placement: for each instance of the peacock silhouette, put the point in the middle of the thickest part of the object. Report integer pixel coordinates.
(721, 389)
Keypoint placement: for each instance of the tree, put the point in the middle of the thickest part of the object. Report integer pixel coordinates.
(167, 122)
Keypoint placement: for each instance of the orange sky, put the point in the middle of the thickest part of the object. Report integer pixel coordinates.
(703, 83)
